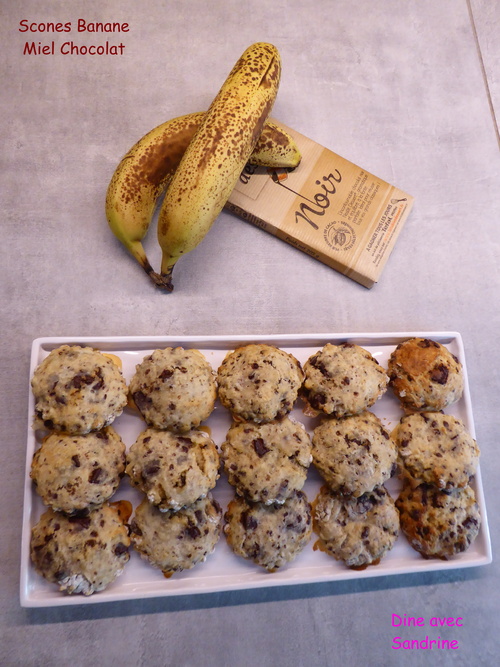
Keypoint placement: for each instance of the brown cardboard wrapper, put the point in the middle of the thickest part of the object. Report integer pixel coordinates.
(328, 207)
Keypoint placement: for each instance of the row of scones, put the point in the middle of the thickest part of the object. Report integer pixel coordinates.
(83, 540)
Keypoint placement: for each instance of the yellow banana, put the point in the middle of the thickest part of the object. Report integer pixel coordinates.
(215, 157)
(144, 172)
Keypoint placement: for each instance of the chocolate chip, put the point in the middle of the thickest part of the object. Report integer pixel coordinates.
(76, 460)
(248, 521)
(82, 522)
(120, 549)
(317, 400)
(151, 469)
(439, 374)
(260, 447)
(81, 380)
(192, 531)
(134, 528)
(97, 476)
(141, 400)
(320, 366)
(364, 503)
(425, 343)
(181, 481)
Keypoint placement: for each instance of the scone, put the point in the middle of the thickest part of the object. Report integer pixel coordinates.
(356, 531)
(173, 469)
(259, 382)
(425, 375)
(342, 380)
(76, 473)
(269, 535)
(174, 389)
(77, 390)
(82, 554)
(354, 454)
(267, 462)
(176, 541)
(437, 449)
(436, 523)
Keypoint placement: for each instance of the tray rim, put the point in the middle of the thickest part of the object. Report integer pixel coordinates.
(229, 341)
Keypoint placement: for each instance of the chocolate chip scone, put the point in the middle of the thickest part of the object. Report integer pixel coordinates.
(77, 390)
(174, 389)
(356, 531)
(425, 375)
(342, 380)
(436, 448)
(176, 541)
(76, 473)
(173, 469)
(354, 454)
(267, 462)
(82, 554)
(436, 523)
(259, 382)
(269, 535)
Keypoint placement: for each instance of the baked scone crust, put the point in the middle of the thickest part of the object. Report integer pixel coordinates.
(175, 541)
(259, 382)
(354, 454)
(436, 523)
(425, 375)
(81, 554)
(356, 531)
(436, 448)
(173, 469)
(174, 389)
(73, 473)
(342, 380)
(77, 390)
(269, 535)
(267, 462)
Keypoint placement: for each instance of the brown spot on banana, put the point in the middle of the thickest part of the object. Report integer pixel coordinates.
(217, 154)
(144, 172)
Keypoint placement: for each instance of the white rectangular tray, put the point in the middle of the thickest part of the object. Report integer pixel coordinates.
(224, 571)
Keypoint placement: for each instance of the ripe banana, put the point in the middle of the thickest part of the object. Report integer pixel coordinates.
(215, 157)
(145, 171)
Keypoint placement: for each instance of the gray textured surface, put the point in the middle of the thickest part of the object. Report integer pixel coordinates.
(410, 91)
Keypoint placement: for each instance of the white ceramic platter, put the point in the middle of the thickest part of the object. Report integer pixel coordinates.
(224, 571)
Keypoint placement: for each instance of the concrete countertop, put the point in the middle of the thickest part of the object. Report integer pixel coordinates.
(411, 92)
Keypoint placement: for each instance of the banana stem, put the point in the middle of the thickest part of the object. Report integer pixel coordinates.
(159, 281)
(137, 251)
(166, 279)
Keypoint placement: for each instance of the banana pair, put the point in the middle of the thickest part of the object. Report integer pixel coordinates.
(197, 159)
